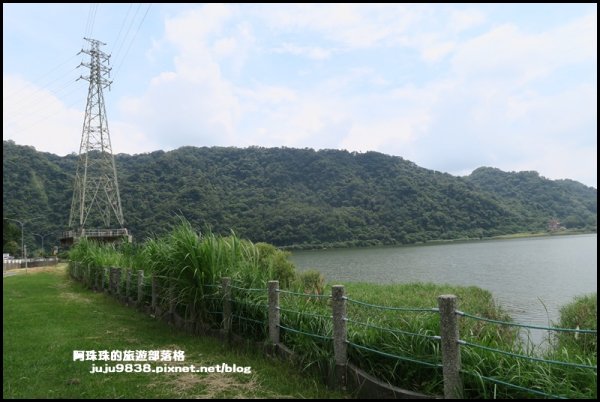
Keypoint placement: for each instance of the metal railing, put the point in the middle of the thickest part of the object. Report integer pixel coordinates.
(95, 233)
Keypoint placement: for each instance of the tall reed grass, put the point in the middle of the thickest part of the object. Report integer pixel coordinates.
(190, 265)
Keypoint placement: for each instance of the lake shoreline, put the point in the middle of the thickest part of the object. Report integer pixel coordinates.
(520, 235)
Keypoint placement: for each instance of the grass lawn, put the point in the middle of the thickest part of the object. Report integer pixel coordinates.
(47, 316)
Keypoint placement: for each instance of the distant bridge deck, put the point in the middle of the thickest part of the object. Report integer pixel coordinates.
(70, 237)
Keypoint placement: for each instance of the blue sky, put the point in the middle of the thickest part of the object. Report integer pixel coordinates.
(450, 87)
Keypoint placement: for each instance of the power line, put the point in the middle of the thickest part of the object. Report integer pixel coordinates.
(89, 26)
(43, 75)
(24, 104)
(89, 18)
(32, 108)
(132, 40)
(94, 19)
(43, 118)
(31, 96)
(122, 25)
(117, 53)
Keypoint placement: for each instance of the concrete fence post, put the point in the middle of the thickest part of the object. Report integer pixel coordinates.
(274, 313)
(340, 345)
(154, 293)
(225, 285)
(140, 287)
(453, 388)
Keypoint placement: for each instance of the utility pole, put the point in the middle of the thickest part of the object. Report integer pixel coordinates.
(96, 198)
(42, 236)
(96, 204)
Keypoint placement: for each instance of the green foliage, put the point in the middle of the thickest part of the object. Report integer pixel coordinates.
(537, 199)
(277, 263)
(312, 282)
(554, 379)
(299, 197)
(11, 237)
(581, 313)
(92, 254)
(11, 247)
(191, 264)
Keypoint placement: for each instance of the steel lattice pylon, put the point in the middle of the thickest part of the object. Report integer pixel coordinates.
(96, 200)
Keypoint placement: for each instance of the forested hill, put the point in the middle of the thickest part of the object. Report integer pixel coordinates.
(298, 197)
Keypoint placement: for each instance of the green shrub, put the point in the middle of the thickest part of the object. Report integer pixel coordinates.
(582, 313)
(312, 282)
(276, 262)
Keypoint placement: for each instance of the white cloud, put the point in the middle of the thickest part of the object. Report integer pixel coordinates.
(512, 104)
(568, 111)
(33, 115)
(128, 138)
(312, 52)
(267, 94)
(36, 116)
(225, 47)
(351, 25)
(194, 104)
(195, 26)
(462, 20)
(506, 54)
(391, 136)
(480, 112)
(560, 162)
(303, 120)
(362, 26)
(436, 50)
(449, 87)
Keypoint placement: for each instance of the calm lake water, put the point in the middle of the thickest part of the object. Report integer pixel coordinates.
(524, 275)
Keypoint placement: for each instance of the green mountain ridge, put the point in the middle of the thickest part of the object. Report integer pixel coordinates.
(298, 197)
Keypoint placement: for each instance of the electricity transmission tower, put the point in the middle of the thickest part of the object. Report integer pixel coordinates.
(96, 202)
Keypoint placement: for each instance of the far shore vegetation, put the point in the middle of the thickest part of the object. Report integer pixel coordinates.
(522, 235)
(294, 197)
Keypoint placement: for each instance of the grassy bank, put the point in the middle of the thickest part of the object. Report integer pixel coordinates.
(477, 363)
(400, 347)
(47, 316)
(580, 313)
